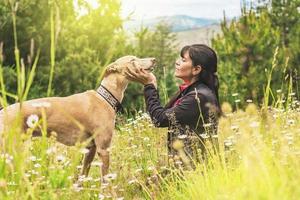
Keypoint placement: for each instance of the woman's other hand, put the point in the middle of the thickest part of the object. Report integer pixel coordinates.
(141, 76)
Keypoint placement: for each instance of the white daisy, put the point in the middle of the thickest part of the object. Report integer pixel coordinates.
(61, 158)
(111, 176)
(32, 120)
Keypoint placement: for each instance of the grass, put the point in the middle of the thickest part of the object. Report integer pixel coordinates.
(260, 160)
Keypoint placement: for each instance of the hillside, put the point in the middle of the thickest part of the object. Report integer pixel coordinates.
(177, 22)
(199, 35)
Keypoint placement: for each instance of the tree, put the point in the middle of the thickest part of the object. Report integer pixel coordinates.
(160, 43)
(84, 44)
(245, 51)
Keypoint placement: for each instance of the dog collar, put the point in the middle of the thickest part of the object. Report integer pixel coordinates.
(107, 95)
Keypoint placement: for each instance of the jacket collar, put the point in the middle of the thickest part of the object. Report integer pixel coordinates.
(182, 92)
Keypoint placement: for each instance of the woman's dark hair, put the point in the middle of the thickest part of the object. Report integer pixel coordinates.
(206, 57)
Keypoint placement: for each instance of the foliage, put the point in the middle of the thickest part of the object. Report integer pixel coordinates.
(159, 43)
(246, 48)
(81, 50)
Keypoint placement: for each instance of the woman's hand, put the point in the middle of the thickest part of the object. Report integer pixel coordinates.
(141, 76)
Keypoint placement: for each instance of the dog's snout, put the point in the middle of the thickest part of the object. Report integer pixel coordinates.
(153, 60)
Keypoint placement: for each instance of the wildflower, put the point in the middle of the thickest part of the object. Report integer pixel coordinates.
(104, 185)
(235, 94)
(204, 136)
(37, 165)
(60, 158)
(151, 168)
(34, 172)
(138, 170)
(76, 187)
(97, 179)
(182, 136)
(292, 94)
(11, 183)
(32, 158)
(32, 121)
(8, 161)
(289, 137)
(101, 197)
(132, 182)
(52, 167)
(51, 150)
(207, 125)
(87, 179)
(146, 139)
(84, 150)
(237, 101)
(249, 101)
(228, 143)
(81, 178)
(110, 176)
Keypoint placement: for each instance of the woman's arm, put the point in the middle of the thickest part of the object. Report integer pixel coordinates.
(187, 112)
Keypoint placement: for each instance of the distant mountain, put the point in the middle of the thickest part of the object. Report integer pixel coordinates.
(201, 35)
(177, 22)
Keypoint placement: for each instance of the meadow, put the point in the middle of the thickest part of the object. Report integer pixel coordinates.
(259, 159)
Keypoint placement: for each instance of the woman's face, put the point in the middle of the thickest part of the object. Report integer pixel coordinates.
(184, 68)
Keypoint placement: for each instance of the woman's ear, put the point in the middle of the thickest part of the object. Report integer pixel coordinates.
(196, 70)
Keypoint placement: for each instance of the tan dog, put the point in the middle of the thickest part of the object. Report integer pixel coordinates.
(79, 117)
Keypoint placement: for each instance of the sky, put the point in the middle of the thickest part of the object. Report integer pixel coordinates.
(213, 9)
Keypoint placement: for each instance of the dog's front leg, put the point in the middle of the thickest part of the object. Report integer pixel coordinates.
(102, 143)
(88, 158)
(104, 156)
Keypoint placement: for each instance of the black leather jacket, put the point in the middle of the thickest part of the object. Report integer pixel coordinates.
(196, 113)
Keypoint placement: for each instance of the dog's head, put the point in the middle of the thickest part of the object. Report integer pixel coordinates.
(132, 62)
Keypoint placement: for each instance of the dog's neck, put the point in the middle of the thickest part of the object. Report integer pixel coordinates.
(116, 85)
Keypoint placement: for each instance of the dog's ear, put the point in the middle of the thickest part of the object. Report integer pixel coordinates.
(135, 64)
(111, 68)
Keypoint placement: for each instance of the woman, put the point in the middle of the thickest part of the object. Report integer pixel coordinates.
(193, 112)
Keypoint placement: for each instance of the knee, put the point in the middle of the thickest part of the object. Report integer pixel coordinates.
(102, 152)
